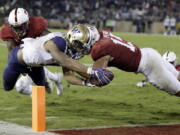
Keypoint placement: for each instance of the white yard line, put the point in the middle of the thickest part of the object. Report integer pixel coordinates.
(7, 108)
(135, 125)
(14, 129)
(29, 119)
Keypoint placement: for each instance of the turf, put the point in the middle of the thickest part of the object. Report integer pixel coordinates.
(119, 103)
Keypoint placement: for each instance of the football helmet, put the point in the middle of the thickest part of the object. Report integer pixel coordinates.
(82, 37)
(170, 57)
(19, 21)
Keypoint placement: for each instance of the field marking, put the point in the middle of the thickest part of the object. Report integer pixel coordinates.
(14, 129)
(7, 108)
(28, 118)
(103, 127)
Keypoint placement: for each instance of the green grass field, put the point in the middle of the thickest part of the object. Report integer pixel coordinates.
(119, 103)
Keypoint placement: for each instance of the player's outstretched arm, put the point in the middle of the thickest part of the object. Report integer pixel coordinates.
(63, 59)
(74, 79)
(100, 63)
(71, 78)
(103, 61)
(74, 65)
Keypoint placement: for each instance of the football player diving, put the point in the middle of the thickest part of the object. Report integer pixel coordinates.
(50, 49)
(19, 26)
(109, 50)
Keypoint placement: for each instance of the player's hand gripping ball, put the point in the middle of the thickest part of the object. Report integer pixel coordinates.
(108, 77)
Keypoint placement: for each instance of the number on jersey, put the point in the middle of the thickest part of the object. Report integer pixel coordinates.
(118, 40)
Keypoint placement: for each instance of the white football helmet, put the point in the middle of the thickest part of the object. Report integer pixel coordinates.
(19, 21)
(18, 16)
(170, 57)
(82, 37)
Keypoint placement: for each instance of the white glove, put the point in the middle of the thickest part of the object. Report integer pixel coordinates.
(141, 84)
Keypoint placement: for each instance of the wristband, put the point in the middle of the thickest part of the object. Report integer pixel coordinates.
(89, 70)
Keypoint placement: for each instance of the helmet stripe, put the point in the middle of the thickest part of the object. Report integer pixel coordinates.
(16, 15)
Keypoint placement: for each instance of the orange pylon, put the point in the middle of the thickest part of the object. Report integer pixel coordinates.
(38, 108)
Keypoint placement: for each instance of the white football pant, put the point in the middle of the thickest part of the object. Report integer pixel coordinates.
(159, 72)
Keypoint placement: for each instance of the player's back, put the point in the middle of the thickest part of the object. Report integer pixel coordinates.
(33, 49)
(126, 56)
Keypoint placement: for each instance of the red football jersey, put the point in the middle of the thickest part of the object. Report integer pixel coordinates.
(36, 27)
(177, 67)
(126, 55)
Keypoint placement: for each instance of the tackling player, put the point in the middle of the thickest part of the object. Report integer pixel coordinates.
(50, 49)
(109, 50)
(21, 26)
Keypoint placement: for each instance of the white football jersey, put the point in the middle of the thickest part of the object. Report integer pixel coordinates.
(34, 53)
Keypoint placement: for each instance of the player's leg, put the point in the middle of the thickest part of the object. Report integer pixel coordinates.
(12, 71)
(9, 78)
(56, 78)
(37, 74)
(165, 80)
(24, 85)
(171, 68)
(158, 75)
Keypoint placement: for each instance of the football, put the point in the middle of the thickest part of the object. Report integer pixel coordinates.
(96, 82)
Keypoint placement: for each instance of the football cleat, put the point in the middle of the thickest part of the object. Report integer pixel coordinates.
(141, 83)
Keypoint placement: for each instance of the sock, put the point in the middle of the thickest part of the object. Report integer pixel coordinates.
(50, 75)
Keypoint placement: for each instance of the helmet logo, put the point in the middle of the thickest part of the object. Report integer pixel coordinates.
(75, 30)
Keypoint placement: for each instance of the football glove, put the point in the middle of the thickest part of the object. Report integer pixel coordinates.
(101, 74)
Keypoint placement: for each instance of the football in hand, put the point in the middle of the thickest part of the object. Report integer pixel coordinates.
(96, 82)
